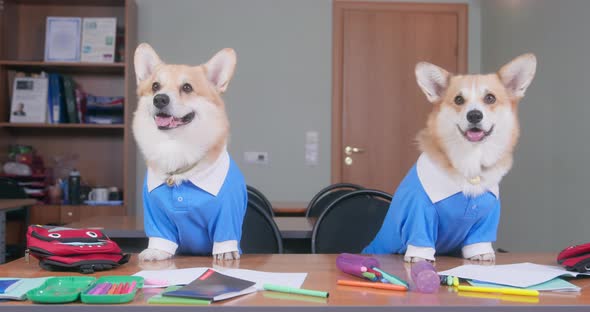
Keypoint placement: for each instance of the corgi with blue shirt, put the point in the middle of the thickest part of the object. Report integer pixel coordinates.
(194, 194)
(449, 201)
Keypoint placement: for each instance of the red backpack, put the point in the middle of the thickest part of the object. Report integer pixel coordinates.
(67, 249)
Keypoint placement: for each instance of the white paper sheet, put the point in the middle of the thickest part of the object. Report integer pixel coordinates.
(518, 275)
(170, 277)
(261, 278)
(185, 276)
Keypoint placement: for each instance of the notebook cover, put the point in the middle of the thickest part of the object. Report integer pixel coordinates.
(161, 299)
(214, 286)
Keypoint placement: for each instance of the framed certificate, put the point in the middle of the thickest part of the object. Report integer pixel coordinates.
(62, 39)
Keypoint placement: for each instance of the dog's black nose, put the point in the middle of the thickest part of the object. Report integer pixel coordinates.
(473, 116)
(161, 100)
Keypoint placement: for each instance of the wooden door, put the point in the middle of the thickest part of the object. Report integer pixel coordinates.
(377, 106)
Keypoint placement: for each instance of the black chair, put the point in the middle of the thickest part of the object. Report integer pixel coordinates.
(350, 222)
(327, 195)
(260, 234)
(9, 189)
(257, 197)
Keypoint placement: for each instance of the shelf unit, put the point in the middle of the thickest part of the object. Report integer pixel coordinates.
(106, 153)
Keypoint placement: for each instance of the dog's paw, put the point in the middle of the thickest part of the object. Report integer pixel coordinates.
(486, 257)
(411, 259)
(230, 255)
(151, 254)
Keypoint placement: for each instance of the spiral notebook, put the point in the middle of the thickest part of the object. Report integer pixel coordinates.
(214, 286)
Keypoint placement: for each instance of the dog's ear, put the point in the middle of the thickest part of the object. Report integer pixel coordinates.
(518, 74)
(220, 68)
(433, 80)
(145, 60)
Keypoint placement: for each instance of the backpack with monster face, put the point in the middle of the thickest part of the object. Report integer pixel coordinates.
(68, 249)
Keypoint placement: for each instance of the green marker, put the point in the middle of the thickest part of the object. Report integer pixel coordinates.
(369, 275)
(391, 278)
(299, 291)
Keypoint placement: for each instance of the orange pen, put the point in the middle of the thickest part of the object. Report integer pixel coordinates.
(372, 285)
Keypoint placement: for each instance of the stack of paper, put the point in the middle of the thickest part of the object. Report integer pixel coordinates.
(517, 275)
(167, 278)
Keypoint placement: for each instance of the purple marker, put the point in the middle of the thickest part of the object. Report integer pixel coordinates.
(105, 289)
(94, 289)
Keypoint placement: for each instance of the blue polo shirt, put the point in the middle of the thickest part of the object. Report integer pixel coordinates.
(437, 216)
(199, 212)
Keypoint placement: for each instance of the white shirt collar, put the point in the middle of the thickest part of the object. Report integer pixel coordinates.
(437, 183)
(209, 179)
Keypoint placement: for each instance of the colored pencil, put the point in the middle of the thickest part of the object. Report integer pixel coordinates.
(372, 285)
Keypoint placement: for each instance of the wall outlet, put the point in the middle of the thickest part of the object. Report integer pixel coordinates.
(257, 158)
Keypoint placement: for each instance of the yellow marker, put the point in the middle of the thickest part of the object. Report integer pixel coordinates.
(505, 291)
(511, 298)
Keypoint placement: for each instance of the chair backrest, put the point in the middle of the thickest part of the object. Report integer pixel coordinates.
(256, 196)
(10, 189)
(327, 195)
(350, 222)
(260, 234)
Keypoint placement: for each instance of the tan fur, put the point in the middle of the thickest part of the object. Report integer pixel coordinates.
(430, 143)
(175, 76)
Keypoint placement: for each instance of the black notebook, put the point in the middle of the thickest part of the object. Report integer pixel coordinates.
(214, 286)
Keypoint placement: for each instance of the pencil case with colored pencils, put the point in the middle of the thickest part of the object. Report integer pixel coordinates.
(575, 258)
(112, 289)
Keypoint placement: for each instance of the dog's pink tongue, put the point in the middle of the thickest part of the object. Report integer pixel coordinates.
(164, 121)
(475, 135)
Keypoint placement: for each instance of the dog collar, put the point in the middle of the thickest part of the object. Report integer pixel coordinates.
(171, 180)
(475, 180)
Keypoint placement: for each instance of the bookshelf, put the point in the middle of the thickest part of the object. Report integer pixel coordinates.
(105, 153)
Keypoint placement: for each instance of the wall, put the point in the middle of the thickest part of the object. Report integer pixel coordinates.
(282, 86)
(544, 206)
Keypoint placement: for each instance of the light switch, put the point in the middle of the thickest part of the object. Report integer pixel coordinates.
(312, 139)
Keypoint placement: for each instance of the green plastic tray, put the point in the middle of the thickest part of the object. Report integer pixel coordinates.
(110, 299)
(60, 289)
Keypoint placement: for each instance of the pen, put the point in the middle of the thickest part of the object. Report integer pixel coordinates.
(505, 291)
(372, 285)
(391, 278)
(299, 291)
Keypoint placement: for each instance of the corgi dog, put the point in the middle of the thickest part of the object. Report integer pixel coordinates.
(449, 201)
(194, 195)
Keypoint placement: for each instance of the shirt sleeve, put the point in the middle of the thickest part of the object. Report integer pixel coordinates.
(486, 229)
(156, 220)
(409, 221)
(231, 217)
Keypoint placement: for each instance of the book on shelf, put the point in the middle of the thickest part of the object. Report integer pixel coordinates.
(104, 109)
(69, 89)
(29, 99)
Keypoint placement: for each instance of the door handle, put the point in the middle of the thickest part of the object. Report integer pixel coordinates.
(349, 150)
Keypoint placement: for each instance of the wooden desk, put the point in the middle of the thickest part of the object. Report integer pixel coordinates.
(322, 275)
(11, 204)
(289, 208)
(295, 227)
(5, 206)
(128, 227)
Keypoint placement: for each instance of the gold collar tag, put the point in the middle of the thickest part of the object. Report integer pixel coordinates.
(475, 180)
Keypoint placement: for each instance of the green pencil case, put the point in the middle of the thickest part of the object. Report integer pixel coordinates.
(60, 289)
(112, 299)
